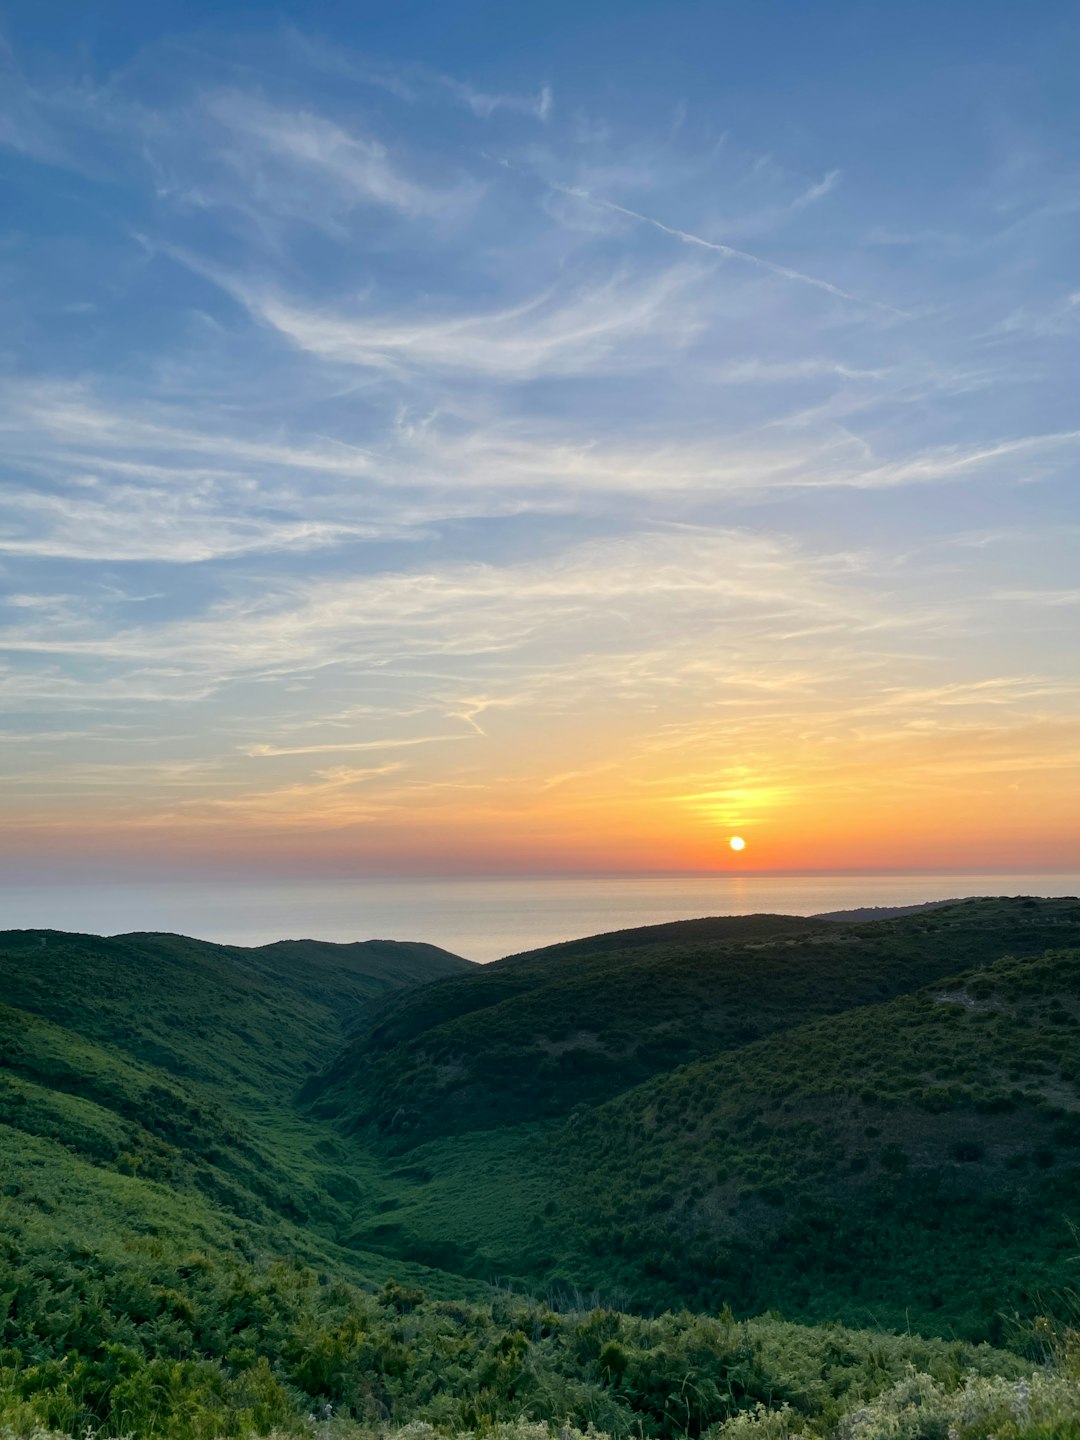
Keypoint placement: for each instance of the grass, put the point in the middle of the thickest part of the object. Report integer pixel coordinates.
(128, 1336)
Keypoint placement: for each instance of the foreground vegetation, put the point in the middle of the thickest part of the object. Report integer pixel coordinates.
(125, 1337)
(308, 1189)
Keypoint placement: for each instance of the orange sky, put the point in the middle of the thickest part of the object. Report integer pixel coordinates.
(813, 790)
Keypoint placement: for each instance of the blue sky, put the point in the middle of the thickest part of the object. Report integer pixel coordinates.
(456, 435)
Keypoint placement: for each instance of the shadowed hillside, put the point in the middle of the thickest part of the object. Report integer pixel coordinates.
(148, 1080)
(530, 1037)
(924, 1151)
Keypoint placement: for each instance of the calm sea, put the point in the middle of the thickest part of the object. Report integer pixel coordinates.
(481, 919)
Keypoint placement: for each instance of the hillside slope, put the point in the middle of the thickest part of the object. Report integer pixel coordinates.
(149, 1081)
(916, 1162)
(530, 1037)
(115, 1336)
(909, 1159)
(245, 1019)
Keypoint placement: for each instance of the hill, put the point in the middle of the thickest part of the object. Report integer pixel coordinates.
(881, 912)
(531, 1036)
(916, 1162)
(147, 1081)
(246, 1019)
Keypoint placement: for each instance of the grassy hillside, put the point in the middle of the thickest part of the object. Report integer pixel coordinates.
(123, 1336)
(148, 1080)
(534, 1035)
(915, 1162)
(251, 1020)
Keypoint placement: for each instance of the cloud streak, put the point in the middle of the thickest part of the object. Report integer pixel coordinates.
(298, 160)
(603, 327)
(729, 252)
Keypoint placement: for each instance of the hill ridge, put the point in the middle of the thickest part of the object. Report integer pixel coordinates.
(529, 1037)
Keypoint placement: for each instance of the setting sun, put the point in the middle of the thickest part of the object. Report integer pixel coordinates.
(737, 842)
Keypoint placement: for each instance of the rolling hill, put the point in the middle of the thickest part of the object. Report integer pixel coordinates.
(926, 1149)
(767, 1174)
(153, 1075)
(246, 1019)
(531, 1036)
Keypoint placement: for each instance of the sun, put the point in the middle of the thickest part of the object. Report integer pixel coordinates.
(737, 842)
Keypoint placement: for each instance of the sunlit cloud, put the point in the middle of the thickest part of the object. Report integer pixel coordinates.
(333, 747)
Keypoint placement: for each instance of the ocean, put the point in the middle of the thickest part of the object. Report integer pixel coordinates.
(479, 918)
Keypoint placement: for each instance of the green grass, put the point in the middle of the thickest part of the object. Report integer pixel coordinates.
(126, 1335)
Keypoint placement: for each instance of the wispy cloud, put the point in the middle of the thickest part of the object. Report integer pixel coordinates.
(954, 461)
(332, 747)
(1050, 599)
(485, 105)
(168, 483)
(296, 161)
(139, 522)
(608, 325)
(368, 408)
(415, 83)
(23, 126)
(138, 483)
(774, 215)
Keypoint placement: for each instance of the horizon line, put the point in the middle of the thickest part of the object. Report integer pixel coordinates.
(278, 878)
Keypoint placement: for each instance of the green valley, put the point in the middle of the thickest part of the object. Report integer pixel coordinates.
(238, 1187)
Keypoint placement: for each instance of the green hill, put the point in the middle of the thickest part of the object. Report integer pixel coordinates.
(915, 1162)
(154, 1076)
(530, 1037)
(247, 1019)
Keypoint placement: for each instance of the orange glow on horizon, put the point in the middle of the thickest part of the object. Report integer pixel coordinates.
(402, 521)
(618, 793)
(841, 814)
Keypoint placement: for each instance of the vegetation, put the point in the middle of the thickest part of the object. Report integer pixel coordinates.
(913, 1163)
(283, 1190)
(130, 1339)
(532, 1036)
(160, 1087)
(246, 1020)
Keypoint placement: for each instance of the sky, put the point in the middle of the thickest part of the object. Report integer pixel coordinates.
(486, 438)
